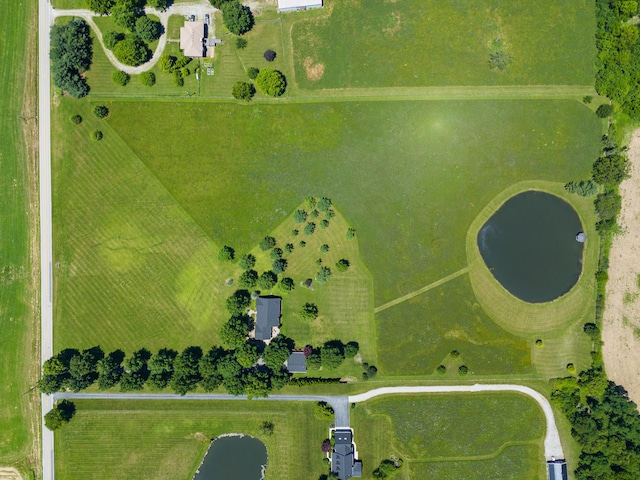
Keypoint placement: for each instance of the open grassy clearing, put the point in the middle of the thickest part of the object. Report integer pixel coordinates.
(18, 273)
(167, 439)
(382, 43)
(472, 434)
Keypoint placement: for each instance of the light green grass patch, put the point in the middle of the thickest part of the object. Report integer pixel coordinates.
(381, 43)
(167, 439)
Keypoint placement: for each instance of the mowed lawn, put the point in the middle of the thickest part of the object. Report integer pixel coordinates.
(111, 440)
(440, 437)
(18, 300)
(381, 43)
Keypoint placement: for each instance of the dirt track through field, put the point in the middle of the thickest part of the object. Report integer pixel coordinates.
(621, 325)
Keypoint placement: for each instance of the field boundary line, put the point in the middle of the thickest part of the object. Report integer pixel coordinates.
(420, 291)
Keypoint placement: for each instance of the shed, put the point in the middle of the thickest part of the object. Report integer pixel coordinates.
(297, 5)
(296, 362)
(557, 469)
(268, 313)
(192, 36)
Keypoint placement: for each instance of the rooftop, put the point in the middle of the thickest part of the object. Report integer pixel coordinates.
(301, 4)
(297, 363)
(191, 37)
(557, 469)
(268, 312)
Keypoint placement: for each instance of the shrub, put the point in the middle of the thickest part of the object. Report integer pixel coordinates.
(604, 111)
(101, 111)
(324, 248)
(120, 78)
(323, 275)
(571, 368)
(323, 411)
(294, 232)
(253, 72)
(178, 80)
(288, 248)
(96, 135)
(236, 17)
(309, 228)
(247, 261)
(587, 99)
(454, 354)
(75, 119)
(271, 82)
(342, 265)
(324, 204)
(351, 349)
(241, 43)
(300, 216)
(226, 254)
(267, 243)
(539, 343)
(463, 370)
(326, 445)
(148, 79)
(584, 188)
(111, 39)
(243, 91)
(441, 369)
(351, 233)
(302, 244)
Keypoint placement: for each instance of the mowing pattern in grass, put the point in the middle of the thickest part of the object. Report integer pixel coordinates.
(409, 176)
(382, 43)
(166, 440)
(489, 430)
(417, 335)
(17, 293)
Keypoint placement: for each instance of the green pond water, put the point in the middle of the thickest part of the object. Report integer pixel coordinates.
(233, 458)
(530, 246)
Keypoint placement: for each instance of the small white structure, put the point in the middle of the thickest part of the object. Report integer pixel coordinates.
(297, 5)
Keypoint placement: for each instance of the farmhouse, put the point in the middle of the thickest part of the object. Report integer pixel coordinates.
(192, 39)
(557, 469)
(343, 457)
(296, 362)
(268, 313)
(297, 5)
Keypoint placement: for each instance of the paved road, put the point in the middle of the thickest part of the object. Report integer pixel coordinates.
(46, 256)
(552, 444)
(195, 8)
(340, 404)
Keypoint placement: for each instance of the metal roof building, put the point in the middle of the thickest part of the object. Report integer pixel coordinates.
(296, 5)
(268, 313)
(557, 469)
(297, 362)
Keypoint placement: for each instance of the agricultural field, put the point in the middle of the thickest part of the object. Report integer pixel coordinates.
(167, 439)
(467, 436)
(18, 211)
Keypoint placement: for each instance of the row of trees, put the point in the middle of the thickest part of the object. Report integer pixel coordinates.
(71, 53)
(105, 7)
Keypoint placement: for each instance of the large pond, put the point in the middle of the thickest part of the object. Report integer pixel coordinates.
(233, 458)
(530, 246)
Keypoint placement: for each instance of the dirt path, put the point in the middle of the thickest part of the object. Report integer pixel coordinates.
(8, 473)
(621, 325)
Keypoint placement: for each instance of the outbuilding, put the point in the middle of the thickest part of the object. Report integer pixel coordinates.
(557, 469)
(297, 5)
(296, 362)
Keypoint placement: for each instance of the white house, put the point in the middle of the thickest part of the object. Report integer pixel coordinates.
(297, 5)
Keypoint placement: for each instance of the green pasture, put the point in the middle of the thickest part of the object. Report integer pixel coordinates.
(381, 43)
(167, 439)
(18, 275)
(470, 436)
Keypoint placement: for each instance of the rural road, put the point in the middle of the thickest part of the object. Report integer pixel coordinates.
(552, 444)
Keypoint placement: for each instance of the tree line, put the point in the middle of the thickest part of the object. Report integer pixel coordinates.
(71, 53)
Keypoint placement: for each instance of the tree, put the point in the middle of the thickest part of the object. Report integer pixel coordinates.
(441, 369)
(101, 7)
(351, 233)
(351, 349)
(59, 415)
(267, 243)
(324, 224)
(235, 331)
(54, 366)
(241, 43)
(97, 135)
(342, 265)
(271, 82)
(463, 370)
(226, 254)
(75, 119)
(288, 248)
(324, 204)
(243, 91)
(247, 262)
(253, 72)
(219, 3)
(309, 228)
(326, 446)
(120, 78)
(110, 369)
(83, 369)
(137, 363)
(167, 63)
(101, 111)
(324, 248)
(269, 55)
(592, 330)
(238, 302)
(111, 39)
(71, 52)
(604, 110)
(147, 29)
(125, 13)
(300, 216)
(161, 368)
(131, 381)
(132, 51)
(287, 284)
(236, 17)
(309, 312)
(257, 383)
(279, 266)
(276, 253)
(611, 170)
(267, 280)
(247, 354)
(323, 275)
(608, 205)
(267, 428)
(332, 354)
(148, 79)
(248, 279)
(161, 5)
(185, 370)
(277, 352)
(178, 79)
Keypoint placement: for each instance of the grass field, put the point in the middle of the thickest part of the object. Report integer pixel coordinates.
(167, 439)
(18, 274)
(382, 43)
(442, 437)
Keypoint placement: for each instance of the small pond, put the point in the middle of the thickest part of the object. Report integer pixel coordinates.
(233, 458)
(530, 246)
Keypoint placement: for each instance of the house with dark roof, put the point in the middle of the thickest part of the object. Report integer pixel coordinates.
(297, 362)
(343, 456)
(268, 313)
(557, 469)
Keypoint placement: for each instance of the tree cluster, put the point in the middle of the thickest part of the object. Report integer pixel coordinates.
(71, 52)
(618, 60)
(236, 17)
(387, 468)
(62, 413)
(330, 355)
(584, 188)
